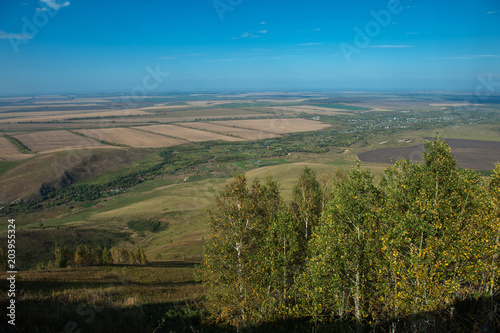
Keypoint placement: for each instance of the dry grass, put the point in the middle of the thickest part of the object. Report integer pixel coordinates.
(52, 141)
(240, 132)
(278, 126)
(102, 299)
(131, 137)
(8, 152)
(188, 134)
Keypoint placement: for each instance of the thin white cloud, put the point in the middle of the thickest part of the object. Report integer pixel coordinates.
(250, 35)
(262, 22)
(6, 35)
(413, 33)
(492, 12)
(221, 60)
(54, 4)
(309, 44)
(391, 46)
(175, 56)
(316, 29)
(470, 57)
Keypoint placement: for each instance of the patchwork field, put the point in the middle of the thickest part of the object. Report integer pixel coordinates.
(308, 109)
(188, 134)
(40, 116)
(209, 112)
(471, 154)
(240, 132)
(170, 117)
(51, 141)
(8, 152)
(131, 137)
(277, 126)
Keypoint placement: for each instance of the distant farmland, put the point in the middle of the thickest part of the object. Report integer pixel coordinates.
(8, 152)
(131, 137)
(228, 130)
(47, 116)
(471, 154)
(188, 134)
(54, 123)
(51, 141)
(343, 107)
(277, 126)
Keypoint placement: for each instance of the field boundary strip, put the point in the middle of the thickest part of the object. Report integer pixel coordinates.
(247, 128)
(156, 133)
(205, 130)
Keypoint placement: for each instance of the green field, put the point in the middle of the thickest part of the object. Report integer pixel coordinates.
(6, 166)
(486, 132)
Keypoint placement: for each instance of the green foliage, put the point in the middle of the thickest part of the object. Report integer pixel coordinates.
(234, 260)
(425, 237)
(438, 236)
(344, 248)
(19, 145)
(307, 201)
(63, 257)
(84, 256)
(106, 257)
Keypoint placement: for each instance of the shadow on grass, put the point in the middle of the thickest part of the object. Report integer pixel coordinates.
(55, 316)
(482, 315)
(70, 285)
(173, 264)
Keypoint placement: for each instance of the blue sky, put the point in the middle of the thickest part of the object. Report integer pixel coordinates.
(53, 46)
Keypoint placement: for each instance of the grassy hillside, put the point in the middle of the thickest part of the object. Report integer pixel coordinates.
(178, 202)
(22, 180)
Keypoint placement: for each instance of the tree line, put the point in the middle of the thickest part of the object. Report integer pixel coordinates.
(85, 256)
(421, 240)
(19, 145)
